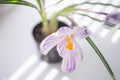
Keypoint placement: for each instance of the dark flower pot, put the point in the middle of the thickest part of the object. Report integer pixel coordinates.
(52, 56)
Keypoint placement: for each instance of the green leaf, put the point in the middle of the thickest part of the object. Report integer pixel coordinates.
(40, 3)
(58, 2)
(54, 4)
(68, 9)
(43, 15)
(101, 57)
(54, 22)
(97, 3)
(73, 7)
(18, 2)
(102, 21)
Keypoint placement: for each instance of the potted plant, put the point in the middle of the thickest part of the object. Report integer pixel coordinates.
(51, 32)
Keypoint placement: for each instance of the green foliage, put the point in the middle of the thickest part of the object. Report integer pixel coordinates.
(18, 2)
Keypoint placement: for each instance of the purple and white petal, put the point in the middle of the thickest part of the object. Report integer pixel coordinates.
(64, 31)
(49, 42)
(69, 63)
(61, 48)
(80, 32)
(112, 18)
(78, 53)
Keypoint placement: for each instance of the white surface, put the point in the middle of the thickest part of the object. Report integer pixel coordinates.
(17, 46)
(5, 9)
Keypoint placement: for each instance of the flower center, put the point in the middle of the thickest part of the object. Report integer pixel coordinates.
(69, 44)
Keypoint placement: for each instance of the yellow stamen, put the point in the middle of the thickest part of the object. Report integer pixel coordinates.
(68, 39)
(69, 44)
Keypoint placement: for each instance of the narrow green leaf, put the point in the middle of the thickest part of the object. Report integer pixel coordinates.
(97, 3)
(101, 57)
(54, 4)
(40, 4)
(102, 21)
(68, 9)
(43, 15)
(18, 2)
(58, 2)
(72, 7)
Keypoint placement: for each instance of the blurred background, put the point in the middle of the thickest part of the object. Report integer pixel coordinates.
(19, 56)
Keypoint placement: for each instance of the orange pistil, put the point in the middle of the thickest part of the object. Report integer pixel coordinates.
(69, 44)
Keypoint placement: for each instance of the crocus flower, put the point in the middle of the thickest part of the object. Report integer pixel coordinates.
(113, 18)
(66, 40)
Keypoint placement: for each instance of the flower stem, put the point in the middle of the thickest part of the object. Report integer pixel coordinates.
(43, 15)
(101, 57)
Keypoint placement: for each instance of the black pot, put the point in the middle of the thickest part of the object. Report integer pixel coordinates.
(52, 56)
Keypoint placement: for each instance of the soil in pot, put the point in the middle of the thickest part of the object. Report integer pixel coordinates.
(52, 56)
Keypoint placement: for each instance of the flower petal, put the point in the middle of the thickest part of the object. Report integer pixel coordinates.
(69, 63)
(81, 32)
(78, 53)
(64, 31)
(49, 42)
(113, 18)
(71, 58)
(61, 48)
